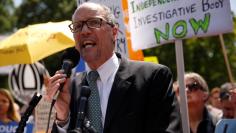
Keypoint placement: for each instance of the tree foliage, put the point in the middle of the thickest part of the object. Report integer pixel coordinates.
(7, 18)
(39, 11)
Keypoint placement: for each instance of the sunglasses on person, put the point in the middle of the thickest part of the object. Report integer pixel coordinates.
(225, 95)
(90, 23)
(193, 87)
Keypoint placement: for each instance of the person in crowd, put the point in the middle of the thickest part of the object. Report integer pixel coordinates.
(214, 98)
(8, 111)
(228, 100)
(200, 119)
(231, 87)
(133, 96)
(214, 105)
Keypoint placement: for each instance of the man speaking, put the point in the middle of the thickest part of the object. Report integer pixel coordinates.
(126, 96)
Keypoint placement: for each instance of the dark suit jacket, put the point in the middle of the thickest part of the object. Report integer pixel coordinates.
(141, 100)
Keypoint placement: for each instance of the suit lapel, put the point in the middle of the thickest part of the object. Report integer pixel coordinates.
(120, 86)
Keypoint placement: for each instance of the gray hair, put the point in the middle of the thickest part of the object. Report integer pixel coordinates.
(197, 78)
(228, 86)
(108, 15)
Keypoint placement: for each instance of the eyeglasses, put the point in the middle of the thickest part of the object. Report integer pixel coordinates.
(193, 87)
(225, 95)
(90, 23)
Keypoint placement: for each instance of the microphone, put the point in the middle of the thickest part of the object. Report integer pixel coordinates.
(70, 59)
(89, 128)
(84, 95)
(33, 103)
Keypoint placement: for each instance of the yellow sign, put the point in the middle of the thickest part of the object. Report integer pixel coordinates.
(151, 59)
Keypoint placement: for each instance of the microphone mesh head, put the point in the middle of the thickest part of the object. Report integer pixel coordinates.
(85, 91)
(72, 55)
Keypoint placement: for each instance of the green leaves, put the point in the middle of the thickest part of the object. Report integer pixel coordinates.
(40, 11)
(7, 18)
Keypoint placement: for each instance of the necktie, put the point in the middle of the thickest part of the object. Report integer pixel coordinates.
(94, 108)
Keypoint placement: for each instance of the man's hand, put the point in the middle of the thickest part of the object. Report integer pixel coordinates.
(63, 101)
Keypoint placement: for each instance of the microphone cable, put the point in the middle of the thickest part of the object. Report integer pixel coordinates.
(49, 115)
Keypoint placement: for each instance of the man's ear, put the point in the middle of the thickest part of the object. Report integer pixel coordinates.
(115, 30)
(114, 34)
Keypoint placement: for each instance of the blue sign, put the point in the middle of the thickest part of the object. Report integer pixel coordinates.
(12, 126)
(80, 66)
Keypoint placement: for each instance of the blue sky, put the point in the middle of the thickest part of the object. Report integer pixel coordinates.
(17, 2)
(233, 6)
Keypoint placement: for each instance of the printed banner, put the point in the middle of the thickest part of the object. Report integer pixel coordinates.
(155, 22)
(12, 126)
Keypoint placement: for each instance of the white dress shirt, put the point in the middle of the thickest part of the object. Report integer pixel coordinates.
(107, 73)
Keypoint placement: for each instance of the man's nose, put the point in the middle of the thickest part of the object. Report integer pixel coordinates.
(85, 28)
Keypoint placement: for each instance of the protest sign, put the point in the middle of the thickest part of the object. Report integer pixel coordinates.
(12, 126)
(155, 22)
(42, 114)
(26, 79)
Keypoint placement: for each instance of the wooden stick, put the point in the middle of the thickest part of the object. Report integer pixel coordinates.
(183, 97)
(226, 58)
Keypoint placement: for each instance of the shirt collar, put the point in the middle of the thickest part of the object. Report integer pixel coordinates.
(108, 68)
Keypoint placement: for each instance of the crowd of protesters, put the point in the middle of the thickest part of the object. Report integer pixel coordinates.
(206, 107)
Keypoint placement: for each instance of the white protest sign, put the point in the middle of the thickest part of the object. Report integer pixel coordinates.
(155, 22)
(26, 79)
(41, 116)
(116, 8)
